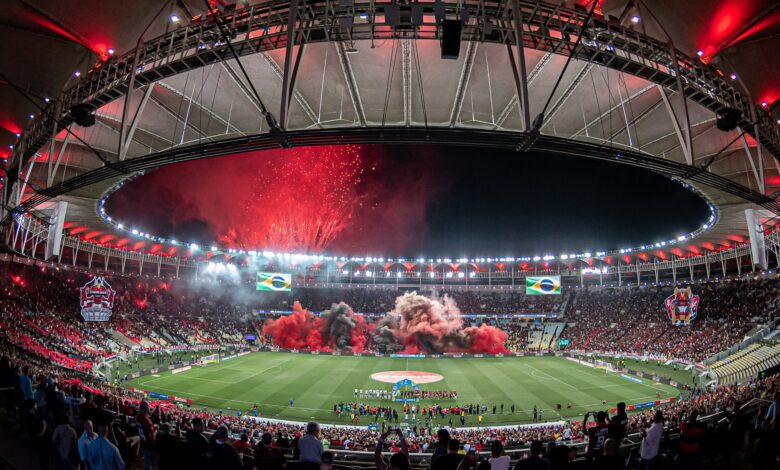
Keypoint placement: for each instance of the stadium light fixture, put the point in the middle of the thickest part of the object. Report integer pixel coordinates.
(700, 53)
(733, 76)
(193, 246)
(46, 99)
(31, 116)
(135, 232)
(77, 73)
(636, 19)
(213, 248)
(174, 18)
(110, 51)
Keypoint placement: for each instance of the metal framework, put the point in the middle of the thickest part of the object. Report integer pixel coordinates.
(266, 26)
(27, 235)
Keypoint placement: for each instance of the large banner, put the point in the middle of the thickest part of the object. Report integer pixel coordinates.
(682, 306)
(97, 299)
(547, 285)
(278, 282)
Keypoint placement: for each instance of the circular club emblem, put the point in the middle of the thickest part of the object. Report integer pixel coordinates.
(393, 376)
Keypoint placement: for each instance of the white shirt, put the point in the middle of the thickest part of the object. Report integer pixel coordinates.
(652, 441)
(499, 463)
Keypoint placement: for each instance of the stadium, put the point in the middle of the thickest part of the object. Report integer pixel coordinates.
(246, 234)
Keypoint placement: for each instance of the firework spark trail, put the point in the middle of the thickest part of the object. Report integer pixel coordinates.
(301, 201)
(345, 198)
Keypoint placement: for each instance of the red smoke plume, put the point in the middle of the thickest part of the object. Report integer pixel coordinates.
(416, 325)
(333, 329)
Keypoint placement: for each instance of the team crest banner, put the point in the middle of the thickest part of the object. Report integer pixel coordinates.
(547, 285)
(682, 306)
(278, 282)
(97, 299)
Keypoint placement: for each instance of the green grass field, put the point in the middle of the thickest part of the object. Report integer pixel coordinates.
(317, 382)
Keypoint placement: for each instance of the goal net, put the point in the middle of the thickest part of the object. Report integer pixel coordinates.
(209, 359)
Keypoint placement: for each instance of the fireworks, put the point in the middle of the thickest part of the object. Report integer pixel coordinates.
(338, 198)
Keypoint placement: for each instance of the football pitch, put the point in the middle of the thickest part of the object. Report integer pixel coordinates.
(317, 382)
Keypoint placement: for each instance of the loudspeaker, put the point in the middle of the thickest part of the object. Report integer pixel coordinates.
(728, 119)
(82, 115)
(450, 39)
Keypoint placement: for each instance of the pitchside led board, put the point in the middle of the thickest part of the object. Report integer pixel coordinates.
(545, 285)
(274, 282)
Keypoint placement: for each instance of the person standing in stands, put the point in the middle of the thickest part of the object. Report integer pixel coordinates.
(440, 449)
(102, 454)
(197, 446)
(451, 460)
(691, 435)
(597, 434)
(310, 446)
(84, 441)
(617, 425)
(651, 442)
(147, 432)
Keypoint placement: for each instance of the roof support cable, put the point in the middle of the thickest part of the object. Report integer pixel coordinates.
(273, 126)
(539, 119)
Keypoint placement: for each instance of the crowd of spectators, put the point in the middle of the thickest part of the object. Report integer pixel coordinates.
(51, 392)
(633, 320)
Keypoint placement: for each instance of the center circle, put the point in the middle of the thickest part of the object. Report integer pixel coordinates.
(419, 377)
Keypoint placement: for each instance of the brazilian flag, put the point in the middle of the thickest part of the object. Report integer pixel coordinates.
(547, 285)
(277, 282)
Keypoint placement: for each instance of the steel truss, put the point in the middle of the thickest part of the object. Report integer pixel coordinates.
(264, 27)
(399, 135)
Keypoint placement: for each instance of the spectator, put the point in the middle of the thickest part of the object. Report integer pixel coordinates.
(399, 460)
(268, 457)
(167, 448)
(310, 446)
(691, 435)
(596, 434)
(242, 445)
(617, 425)
(197, 446)
(440, 450)
(103, 455)
(651, 442)
(498, 459)
(535, 460)
(84, 441)
(326, 460)
(451, 460)
(65, 444)
(610, 460)
(25, 382)
(223, 455)
(147, 432)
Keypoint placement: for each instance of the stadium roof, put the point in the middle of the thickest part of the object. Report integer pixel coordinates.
(359, 80)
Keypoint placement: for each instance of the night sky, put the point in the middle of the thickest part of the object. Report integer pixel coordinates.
(416, 201)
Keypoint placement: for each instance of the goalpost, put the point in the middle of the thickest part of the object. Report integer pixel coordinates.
(213, 358)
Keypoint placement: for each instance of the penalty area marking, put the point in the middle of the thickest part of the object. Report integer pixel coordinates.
(419, 377)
